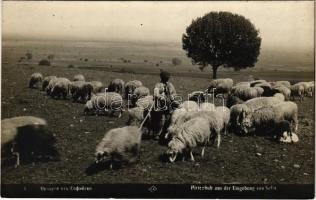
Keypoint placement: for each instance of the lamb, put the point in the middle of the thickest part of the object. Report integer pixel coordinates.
(81, 90)
(97, 86)
(36, 80)
(131, 86)
(119, 145)
(305, 85)
(116, 85)
(103, 102)
(79, 77)
(27, 138)
(207, 107)
(283, 90)
(297, 90)
(193, 133)
(46, 81)
(269, 116)
(311, 88)
(220, 86)
(138, 93)
(60, 88)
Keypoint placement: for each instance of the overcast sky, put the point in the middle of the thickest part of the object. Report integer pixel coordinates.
(281, 24)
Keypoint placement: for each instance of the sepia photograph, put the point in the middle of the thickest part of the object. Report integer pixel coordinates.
(158, 99)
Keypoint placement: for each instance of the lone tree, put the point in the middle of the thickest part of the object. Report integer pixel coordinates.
(222, 39)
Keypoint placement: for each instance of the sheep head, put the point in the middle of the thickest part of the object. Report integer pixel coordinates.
(175, 147)
(101, 156)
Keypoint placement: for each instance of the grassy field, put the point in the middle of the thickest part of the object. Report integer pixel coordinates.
(77, 135)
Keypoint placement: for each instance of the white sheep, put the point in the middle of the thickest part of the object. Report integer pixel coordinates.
(145, 102)
(130, 86)
(268, 117)
(46, 81)
(225, 112)
(79, 77)
(192, 133)
(104, 102)
(27, 137)
(60, 88)
(297, 90)
(305, 85)
(283, 90)
(119, 145)
(135, 116)
(214, 118)
(138, 93)
(116, 85)
(36, 80)
(221, 86)
(259, 102)
(284, 83)
(207, 107)
(310, 89)
(238, 114)
(81, 90)
(97, 86)
(245, 93)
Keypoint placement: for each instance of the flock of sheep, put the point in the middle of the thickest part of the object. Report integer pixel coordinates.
(251, 107)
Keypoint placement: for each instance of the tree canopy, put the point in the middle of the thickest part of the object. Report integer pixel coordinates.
(222, 39)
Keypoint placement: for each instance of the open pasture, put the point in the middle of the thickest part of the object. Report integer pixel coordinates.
(250, 159)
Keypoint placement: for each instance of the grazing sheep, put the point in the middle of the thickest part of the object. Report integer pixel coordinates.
(119, 145)
(245, 93)
(297, 90)
(305, 85)
(284, 83)
(197, 96)
(259, 102)
(138, 93)
(36, 80)
(102, 102)
(27, 138)
(81, 90)
(116, 85)
(269, 116)
(310, 89)
(225, 112)
(97, 86)
(189, 106)
(130, 87)
(214, 118)
(207, 107)
(145, 102)
(239, 113)
(79, 77)
(283, 90)
(192, 133)
(46, 81)
(60, 88)
(220, 86)
(50, 85)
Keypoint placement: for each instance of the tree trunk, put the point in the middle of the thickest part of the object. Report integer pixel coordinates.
(215, 72)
